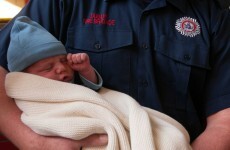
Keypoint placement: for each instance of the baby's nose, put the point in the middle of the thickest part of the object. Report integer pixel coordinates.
(60, 68)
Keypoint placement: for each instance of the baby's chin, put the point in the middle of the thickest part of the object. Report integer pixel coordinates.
(70, 80)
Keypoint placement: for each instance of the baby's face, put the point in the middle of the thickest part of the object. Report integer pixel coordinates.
(56, 68)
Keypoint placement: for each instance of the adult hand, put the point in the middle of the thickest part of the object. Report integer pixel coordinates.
(58, 143)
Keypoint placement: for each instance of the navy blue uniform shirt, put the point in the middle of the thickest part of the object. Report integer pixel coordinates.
(170, 55)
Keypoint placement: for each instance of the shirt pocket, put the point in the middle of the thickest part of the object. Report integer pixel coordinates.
(98, 40)
(176, 59)
(189, 52)
(109, 52)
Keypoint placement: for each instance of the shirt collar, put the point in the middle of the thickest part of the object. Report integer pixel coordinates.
(180, 4)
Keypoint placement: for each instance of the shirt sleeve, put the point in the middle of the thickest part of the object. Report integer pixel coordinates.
(217, 94)
(90, 84)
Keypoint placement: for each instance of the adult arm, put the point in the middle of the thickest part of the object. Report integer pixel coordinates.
(10, 117)
(24, 138)
(217, 133)
(51, 15)
(216, 136)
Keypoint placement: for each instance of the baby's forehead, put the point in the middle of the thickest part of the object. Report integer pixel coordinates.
(49, 60)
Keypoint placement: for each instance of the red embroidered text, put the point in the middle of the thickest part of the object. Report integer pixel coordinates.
(100, 19)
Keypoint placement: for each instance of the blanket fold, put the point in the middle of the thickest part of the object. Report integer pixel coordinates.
(54, 108)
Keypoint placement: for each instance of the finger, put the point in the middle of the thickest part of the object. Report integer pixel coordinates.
(83, 56)
(69, 58)
(76, 58)
(95, 140)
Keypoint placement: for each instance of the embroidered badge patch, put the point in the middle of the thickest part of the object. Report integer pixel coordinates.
(187, 26)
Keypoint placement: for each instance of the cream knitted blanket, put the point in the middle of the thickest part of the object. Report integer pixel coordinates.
(54, 108)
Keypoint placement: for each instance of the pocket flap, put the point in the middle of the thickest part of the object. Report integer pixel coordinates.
(186, 52)
(97, 39)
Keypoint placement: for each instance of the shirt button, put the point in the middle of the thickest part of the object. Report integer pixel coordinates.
(97, 46)
(187, 57)
(145, 46)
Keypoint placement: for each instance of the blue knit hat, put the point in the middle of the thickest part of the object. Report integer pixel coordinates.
(30, 42)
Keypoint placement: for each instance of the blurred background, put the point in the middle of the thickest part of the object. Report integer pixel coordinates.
(9, 8)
